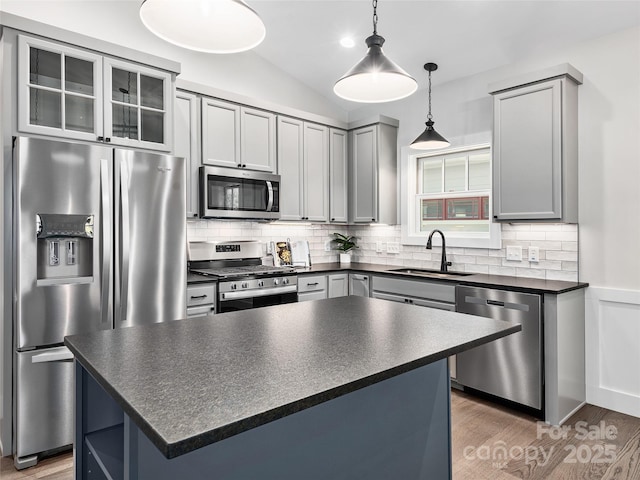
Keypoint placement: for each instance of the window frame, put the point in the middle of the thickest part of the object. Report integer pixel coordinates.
(410, 200)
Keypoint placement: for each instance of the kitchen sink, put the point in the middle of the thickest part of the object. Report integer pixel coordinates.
(429, 273)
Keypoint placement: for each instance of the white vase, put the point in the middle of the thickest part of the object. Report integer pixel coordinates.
(345, 258)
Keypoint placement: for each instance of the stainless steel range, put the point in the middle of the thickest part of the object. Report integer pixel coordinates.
(243, 282)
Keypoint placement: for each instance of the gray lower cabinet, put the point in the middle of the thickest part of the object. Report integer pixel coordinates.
(312, 287)
(338, 284)
(440, 295)
(201, 300)
(187, 143)
(373, 163)
(424, 293)
(303, 164)
(535, 147)
(359, 285)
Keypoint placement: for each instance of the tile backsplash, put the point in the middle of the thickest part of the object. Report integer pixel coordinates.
(558, 245)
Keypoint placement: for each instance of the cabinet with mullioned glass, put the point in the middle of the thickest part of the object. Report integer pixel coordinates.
(72, 93)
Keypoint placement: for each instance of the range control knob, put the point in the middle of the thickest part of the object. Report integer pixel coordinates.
(233, 286)
(276, 281)
(261, 283)
(285, 281)
(245, 284)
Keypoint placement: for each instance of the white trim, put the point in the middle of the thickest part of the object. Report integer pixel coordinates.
(408, 177)
(613, 353)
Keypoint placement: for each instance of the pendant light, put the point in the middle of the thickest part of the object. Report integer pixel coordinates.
(429, 139)
(213, 26)
(375, 78)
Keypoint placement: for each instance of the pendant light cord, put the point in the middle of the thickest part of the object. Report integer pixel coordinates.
(375, 17)
(429, 116)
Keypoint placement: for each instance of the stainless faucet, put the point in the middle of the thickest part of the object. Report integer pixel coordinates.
(443, 261)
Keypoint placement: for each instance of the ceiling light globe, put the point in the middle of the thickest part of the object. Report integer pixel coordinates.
(212, 26)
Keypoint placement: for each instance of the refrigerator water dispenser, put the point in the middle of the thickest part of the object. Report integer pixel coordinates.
(65, 248)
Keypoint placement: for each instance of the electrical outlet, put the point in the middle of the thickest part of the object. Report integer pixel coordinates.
(514, 253)
(534, 254)
(269, 249)
(393, 247)
(327, 246)
(380, 247)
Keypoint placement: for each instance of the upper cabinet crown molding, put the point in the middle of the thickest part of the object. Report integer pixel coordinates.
(535, 149)
(26, 25)
(564, 70)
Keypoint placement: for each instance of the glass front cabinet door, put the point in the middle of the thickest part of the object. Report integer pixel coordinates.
(71, 93)
(137, 105)
(60, 90)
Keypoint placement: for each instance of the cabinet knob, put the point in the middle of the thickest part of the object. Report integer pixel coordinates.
(100, 139)
(373, 219)
(107, 139)
(333, 219)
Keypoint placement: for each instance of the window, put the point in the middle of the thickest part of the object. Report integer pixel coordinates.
(450, 191)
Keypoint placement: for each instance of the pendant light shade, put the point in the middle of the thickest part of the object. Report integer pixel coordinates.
(429, 139)
(375, 78)
(213, 26)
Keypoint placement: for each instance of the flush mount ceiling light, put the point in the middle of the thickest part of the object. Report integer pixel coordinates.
(213, 26)
(429, 139)
(375, 78)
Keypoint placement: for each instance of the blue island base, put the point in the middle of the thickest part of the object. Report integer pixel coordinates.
(398, 428)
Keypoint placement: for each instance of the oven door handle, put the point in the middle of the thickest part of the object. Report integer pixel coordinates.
(258, 293)
(269, 195)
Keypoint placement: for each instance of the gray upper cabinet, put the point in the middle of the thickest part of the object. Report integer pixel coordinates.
(290, 167)
(187, 144)
(338, 176)
(535, 148)
(71, 93)
(238, 137)
(258, 139)
(220, 133)
(373, 175)
(303, 164)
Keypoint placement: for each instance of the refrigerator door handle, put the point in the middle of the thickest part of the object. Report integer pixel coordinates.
(58, 355)
(106, 239)
(124, 192)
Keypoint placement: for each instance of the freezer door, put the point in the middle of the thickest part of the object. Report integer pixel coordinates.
(44, 400)
(63, 268)
(151, 238)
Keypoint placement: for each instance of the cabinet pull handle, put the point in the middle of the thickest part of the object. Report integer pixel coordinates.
(373, 219)
(100, 139)
(312, 284)
(108, 139)
(195, 297)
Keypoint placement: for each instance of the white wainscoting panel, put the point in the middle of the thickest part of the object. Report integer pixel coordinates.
(613, 349)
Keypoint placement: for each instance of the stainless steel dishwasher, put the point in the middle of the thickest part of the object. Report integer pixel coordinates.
(511, 367)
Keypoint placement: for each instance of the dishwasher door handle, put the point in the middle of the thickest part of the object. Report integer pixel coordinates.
(495, 303)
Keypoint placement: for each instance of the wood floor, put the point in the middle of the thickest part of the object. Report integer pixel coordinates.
(493, 443)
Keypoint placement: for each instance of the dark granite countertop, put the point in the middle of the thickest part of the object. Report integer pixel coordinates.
(522, 284)
(187, 384)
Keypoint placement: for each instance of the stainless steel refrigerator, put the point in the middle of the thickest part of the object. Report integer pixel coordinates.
(99, 242)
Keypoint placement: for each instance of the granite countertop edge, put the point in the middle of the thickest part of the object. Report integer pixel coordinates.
(505, 282)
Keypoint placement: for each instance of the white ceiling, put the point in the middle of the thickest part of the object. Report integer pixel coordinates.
(462, 37)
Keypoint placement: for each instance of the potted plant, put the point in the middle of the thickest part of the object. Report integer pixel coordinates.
(344, 244)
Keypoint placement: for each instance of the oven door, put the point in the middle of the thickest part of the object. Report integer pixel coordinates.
(230, 193)
(234, 301)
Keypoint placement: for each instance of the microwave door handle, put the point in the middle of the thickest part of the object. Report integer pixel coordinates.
(269, 196)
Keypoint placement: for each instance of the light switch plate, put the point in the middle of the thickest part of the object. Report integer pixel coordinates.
(327, 246)
(514, 253)
(534, 254)
(393, 247)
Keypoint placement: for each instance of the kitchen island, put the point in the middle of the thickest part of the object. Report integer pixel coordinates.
(348, 387)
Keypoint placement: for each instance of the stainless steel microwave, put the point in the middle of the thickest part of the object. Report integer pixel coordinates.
(231, 193)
